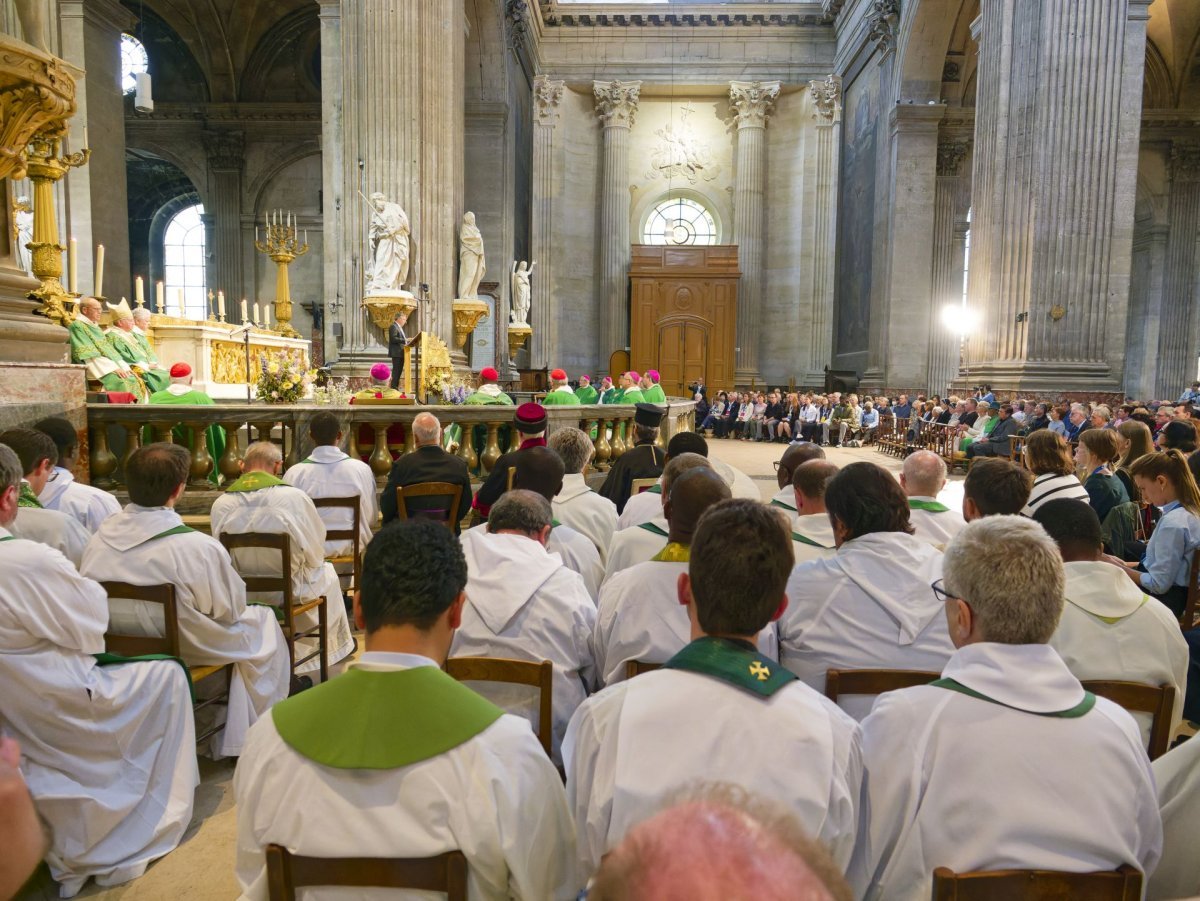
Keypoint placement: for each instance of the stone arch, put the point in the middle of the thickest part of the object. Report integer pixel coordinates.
(926, 28)
(157, 190)
(1158, 91)
(285, 64)
(258, 187)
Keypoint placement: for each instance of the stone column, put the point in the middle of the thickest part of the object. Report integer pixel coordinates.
(1179, 342)
(752, 102)
(225, 151)
(392, 121)
(616, 105)
(948, 248)
(547, 93)
(1145, 325)
(827, 111)
(1056, 143)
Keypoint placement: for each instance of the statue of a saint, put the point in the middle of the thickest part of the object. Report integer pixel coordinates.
(388, 269)
(23, 220)
(520, 292)
(471, 263)
(32, 16)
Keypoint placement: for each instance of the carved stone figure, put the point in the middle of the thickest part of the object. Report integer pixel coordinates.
(471, 262)
(388, 270)
(23, 222)
(520, 292)
(32, 15)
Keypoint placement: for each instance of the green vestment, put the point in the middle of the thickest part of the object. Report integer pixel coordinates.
(560, 399)
(632, 396)
(655, 395)
(89, 345)
(587, 394)
(183, 435)
(131, 351)
(478, 397)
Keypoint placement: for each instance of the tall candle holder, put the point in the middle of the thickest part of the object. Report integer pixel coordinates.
(45, 166)
(212, 306)
(282, 244)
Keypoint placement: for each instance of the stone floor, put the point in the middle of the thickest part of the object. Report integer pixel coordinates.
(202, 867)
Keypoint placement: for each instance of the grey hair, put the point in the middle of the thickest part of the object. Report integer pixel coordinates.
(11, 471)
(646, 433)
(140, 313)
(924, 473)
(574, 447)
(677, 466)
(1009, 572)
(520, 511)
(426, 428)
(262, 455)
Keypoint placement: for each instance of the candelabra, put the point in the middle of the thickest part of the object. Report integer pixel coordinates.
(282, 245)
(45, 166)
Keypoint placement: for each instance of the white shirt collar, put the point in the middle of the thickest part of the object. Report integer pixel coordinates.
(179, 389)
(327, 453)
(392, 660)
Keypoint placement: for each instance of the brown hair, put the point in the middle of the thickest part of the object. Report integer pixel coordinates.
(1101, 444)
(1046, 451)
(1141, 442)
(998, 487)
(866, 498)
(154, 471)
(1173, 465)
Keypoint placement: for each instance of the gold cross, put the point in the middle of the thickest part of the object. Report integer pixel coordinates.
(757, 669)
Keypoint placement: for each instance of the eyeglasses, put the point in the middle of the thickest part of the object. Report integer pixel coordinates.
(942, 593)
(776, 464)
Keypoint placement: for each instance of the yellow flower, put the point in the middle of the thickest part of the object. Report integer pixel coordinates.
(287, 385)
(272, 367)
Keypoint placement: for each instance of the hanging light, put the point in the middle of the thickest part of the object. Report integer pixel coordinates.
(143, 96)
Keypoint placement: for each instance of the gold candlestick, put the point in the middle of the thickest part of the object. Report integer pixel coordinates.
(282, 244)
(45, 166)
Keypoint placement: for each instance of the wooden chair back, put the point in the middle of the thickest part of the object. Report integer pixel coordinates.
(873, 681)
(447, 516)
(514, 672)
(287, 872)
(1122, 884)
(1158, 700)
(509, 478)
(137, 645)
(352, 534)
(637, 486)
(1187, 619)
(637, 667)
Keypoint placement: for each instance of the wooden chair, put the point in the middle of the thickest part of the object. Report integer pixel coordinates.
(637, 486)
(168, 643)
(509, 477)
(447, 516)
(1136, 697)
(873, 681)
(287, 872)
(1187, 619)
(1122, 884)
(289, 606)
(514, 672)
(351, 534)
(637, 667)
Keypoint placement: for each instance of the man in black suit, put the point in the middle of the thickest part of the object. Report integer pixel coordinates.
(644, 461)
(428, 463)
(996, 443)
(397, 340)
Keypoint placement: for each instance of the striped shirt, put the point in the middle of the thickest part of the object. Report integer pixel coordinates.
(1050, 486)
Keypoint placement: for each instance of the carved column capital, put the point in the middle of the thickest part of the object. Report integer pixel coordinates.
(883, 23)
(547, 93)
(1185, 161)
(752, 102)
(950, 157)
(617, 102)
(225, 150)
(827, 100)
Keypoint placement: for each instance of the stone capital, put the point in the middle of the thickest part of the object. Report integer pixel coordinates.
(827, 100)
(883, 23)
(617, 102)
(1185, 161)
(950, 157)
(225, 150)
(752, 102)
(547, 93)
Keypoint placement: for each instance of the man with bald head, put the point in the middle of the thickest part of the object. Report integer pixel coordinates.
(922, 478)
(90, 346)
(718, 709)
(812, 532)
(793, 456)
(428, 463)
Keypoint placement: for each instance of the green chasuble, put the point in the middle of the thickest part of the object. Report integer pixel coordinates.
(655, 395)
(130, 350)
(255, 480)
(610, 396)
(183, 435)
(632, 396)
(587, 394)
(560, 398)
(89, 343)
(479, 397)
(143, 344)
(372, 720)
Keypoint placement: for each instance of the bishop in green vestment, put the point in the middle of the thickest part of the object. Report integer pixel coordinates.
(585, 392)
(180, 391)
(141, 359)
(651, 390)
(560, 393)
(90, 346)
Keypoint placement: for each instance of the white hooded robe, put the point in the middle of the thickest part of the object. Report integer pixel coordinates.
(587, 512)
(328, 472)
(85, 504)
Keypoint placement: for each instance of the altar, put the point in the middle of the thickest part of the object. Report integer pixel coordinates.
(216, 351)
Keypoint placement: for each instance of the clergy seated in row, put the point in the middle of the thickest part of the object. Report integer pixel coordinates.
(585, 392)
(108, 752)
(812, 532)
(1177, 775)
(524, 603)
(922, 478)
(576, 504)
(995, 488)
(1005, 762)
(560, 393)
(428, 463)
(130, 348)
(651, 390)
(647, 506)
(260, 501)
(643, 461)
(330, 472)
(181, 392)
(148, 544)
(396, 759)
(530, 420)
(91, 347)
(488, 392)
(380, 386)
(39, 455)
(639, 616)
(793, 455)
(718, 710)
(869, 606)
(1110, 628)
(716, 840)
(638, 544)
(86, 505)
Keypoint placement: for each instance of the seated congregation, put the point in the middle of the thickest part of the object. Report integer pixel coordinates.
(662, 688)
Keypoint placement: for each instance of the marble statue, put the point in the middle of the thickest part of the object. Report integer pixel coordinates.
(23, 220)
(520, 292)
(471, 262)
(32, 16)
(388, 269)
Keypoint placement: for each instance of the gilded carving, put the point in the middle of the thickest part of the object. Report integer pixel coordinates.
(227, 360)
(37, 94)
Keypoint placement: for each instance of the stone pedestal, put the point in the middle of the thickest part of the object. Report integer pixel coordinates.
(616, 105)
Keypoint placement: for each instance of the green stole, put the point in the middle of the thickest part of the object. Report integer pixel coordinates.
(1110, 620)
(674, 552)
(775, 502)
(27, 498)
(371, 720)
(657, 489)
(651, 527)
(254, 480)
(737, 663)
(801, 539)
(931, 506)
(1088, 702)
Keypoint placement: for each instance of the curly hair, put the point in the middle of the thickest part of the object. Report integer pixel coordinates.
(412, 572)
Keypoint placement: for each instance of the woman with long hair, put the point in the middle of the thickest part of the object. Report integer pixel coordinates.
(1048, 457)
(1134, 441)
(1096, 453)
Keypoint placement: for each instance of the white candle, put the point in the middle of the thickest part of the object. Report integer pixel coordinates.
(73, 262)
(266, 315)
(139, 294)
(160, 295)
(245, 315)
(182, 306)
(221, 304)
(98, 282)
(257, 313)
(85, 140)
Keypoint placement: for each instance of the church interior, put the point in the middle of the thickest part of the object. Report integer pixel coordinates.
(550, 256)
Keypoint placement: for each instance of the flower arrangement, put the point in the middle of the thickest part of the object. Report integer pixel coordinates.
(454, 394)
(334, 391)
(282, 381)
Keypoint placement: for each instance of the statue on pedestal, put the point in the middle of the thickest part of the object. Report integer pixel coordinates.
(23, 222)
(520, 292)
(471, 262)
(388, 269)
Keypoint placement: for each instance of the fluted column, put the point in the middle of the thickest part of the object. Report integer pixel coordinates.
(1179, 342)
(1056, 144)
(225, 162)
(827, 111)
(1146, 325)
(616, 105)
(947, 262)
(752, 102)
(547, 93)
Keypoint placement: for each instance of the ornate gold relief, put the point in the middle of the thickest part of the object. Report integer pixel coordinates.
(37, 94)
(227, 360)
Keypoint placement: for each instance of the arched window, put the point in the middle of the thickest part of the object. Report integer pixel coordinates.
(183, 255)
(134, 61)
(680, 220)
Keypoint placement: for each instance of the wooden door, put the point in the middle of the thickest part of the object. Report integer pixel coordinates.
(682, 354)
